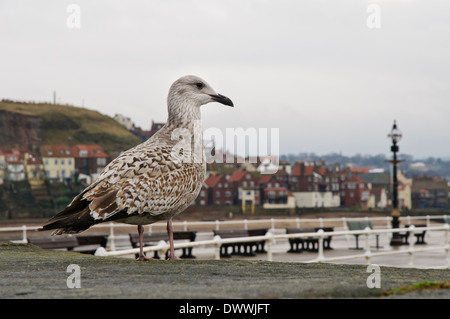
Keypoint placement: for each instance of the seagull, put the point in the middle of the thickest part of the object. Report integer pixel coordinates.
(153, 181)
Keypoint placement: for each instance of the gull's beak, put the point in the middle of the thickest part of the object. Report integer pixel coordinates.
(221, 99)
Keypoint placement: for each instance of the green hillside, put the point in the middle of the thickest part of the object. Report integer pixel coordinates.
(61, 124)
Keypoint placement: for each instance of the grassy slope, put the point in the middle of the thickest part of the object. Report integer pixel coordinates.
(62, 124)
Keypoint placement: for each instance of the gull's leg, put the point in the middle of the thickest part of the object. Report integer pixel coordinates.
(170, 233)
(141, 244)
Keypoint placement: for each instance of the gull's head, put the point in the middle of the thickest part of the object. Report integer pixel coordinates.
(195, 91)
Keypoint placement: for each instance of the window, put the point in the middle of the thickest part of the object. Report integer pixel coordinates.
(46, 162)
(56, 162)
(225, 185)
(69, 161)
(62, 162)
(219, 185)
(244, 184)
(217, 194)
(202, 203)
(227, 194)
(101, 161)
(202, 193)
(248, 176)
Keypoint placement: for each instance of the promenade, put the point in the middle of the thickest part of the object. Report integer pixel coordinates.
(27, 271)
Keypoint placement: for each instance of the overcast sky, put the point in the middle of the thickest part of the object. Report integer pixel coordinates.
(320, 71)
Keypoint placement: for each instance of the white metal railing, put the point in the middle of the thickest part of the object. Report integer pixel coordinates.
(162, 246)
(320, 222)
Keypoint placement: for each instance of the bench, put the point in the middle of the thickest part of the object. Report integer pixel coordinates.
(88, 244)
(153, 239)
(68, 243)
(310, 244)
(420, 236)
(361, 225)
(259, 244)
(245, 248)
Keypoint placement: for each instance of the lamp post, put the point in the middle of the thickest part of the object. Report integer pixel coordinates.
(395, 135)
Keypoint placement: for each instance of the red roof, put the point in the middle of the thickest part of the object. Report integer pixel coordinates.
(56, 151)
(237, 176)
(264, 179)
(90, 151)
(213, 180)
(34, 161)
(297, 170)
(355, 178)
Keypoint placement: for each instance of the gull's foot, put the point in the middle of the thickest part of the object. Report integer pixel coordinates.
(143, 258)
(173, 257)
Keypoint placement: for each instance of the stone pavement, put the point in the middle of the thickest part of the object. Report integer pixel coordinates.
(27, 271)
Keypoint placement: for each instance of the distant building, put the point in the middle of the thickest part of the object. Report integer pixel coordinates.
(34, 168)
(125, 121)
(430, 192)
(59, 162)
(155, 128)
(354, 192)
(278, 198)
(2, 167)
(246, 191)
(90, 160)
(316, 199)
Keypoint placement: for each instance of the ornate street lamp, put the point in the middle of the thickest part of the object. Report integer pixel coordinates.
(395, 135)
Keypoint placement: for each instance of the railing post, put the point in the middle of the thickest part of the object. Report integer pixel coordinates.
(269, 246)
(185, 223)
(388, 221)
(427, 234)
(447, 244)
(321, 222)
(217, 225)
(297, 222)
(344, 225)
(112, 243)
(272, 222)
(320, 256)
(368, 253)
(24, 234)
(411, 245)
(217, 240)
(245, 224)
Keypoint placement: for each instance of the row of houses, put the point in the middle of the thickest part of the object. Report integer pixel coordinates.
(315, 186)
(55, 162)
(303, 185)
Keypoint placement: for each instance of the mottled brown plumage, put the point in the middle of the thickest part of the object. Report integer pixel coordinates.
(155, 180)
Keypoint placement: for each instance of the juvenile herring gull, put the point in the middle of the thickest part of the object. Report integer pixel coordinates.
(153, 181)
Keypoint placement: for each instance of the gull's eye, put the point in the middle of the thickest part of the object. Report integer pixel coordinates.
(199, 85)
